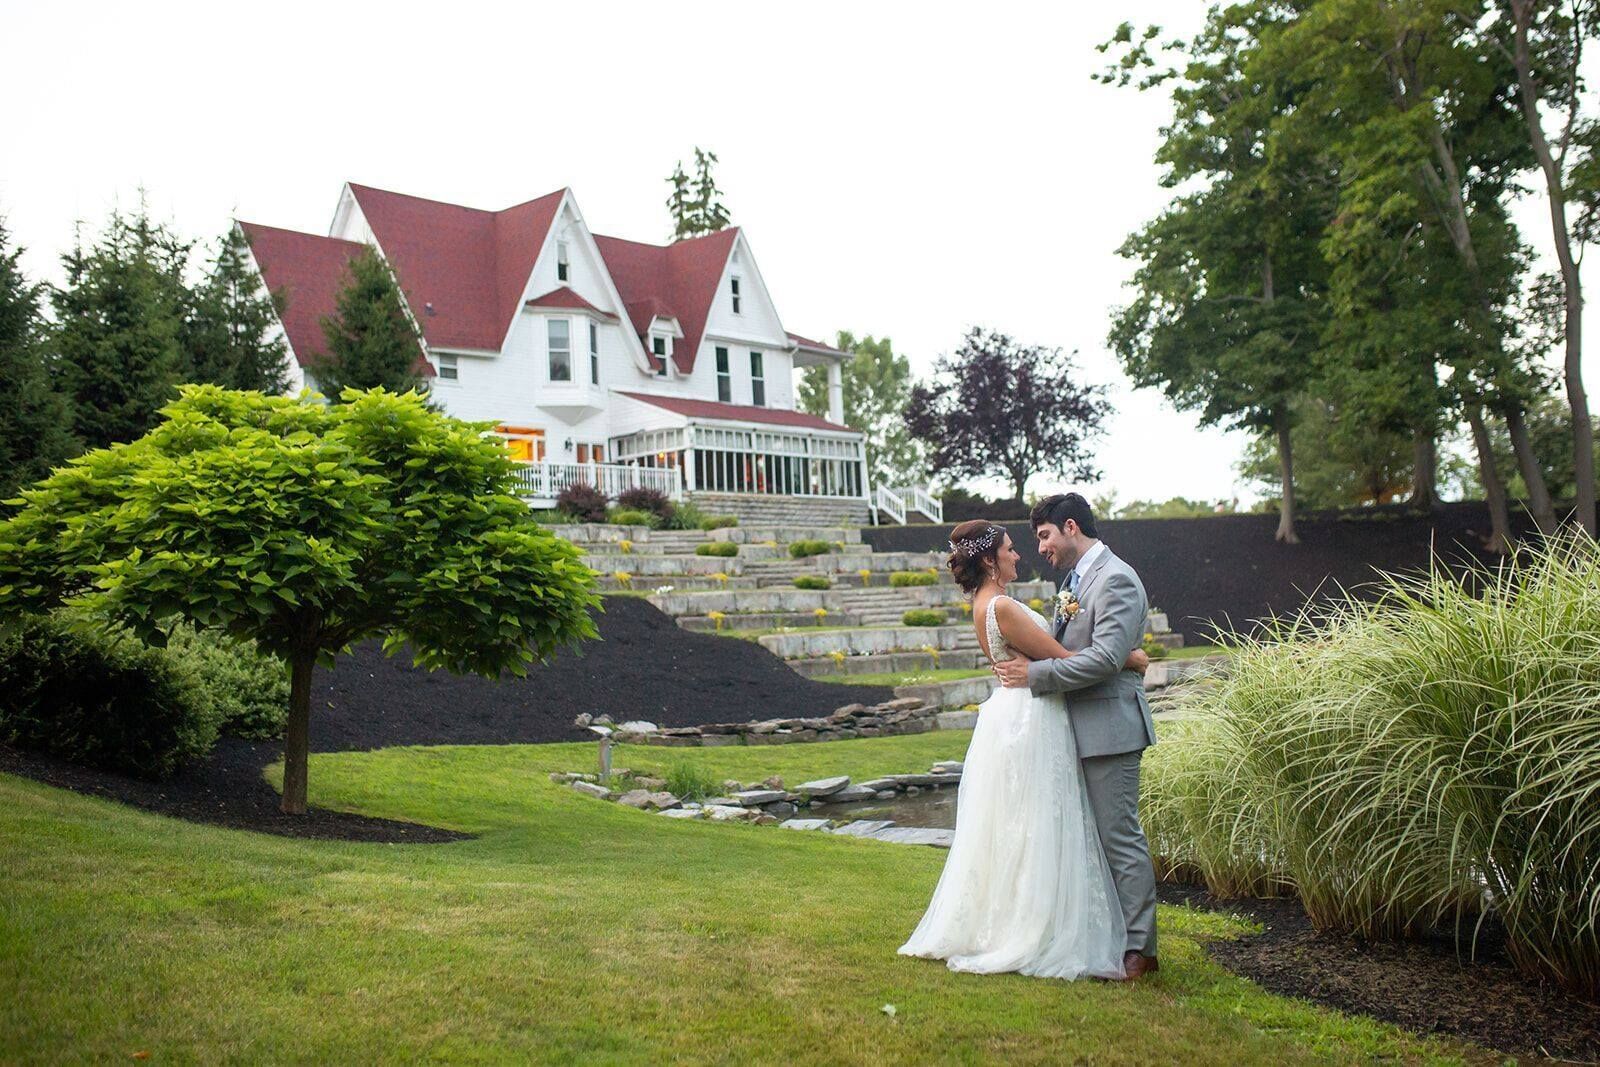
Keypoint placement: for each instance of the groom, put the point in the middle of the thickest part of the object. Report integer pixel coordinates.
(1100, 618)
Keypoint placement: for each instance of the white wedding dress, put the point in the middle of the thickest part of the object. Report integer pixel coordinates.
(1026, 887)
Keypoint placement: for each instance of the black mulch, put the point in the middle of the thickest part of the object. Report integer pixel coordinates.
(1425, 986)
(643, 667)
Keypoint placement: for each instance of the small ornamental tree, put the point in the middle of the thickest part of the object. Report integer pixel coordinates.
(1003, 409)
(307, 528)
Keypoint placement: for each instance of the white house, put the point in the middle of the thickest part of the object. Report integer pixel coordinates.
(598, 359)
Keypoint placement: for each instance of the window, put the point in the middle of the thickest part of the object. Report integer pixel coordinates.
(594, 353)
(735, 283)
(758, 381)
(658, 348)
(448, 371)
(560, 350)
(563, 267)
(724, 377)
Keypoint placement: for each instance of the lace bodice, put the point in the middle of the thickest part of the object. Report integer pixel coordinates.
(999, 651)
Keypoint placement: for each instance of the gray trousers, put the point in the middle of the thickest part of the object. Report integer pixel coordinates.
(1113, 783)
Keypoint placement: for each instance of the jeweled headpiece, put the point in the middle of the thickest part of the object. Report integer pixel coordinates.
(971, 546)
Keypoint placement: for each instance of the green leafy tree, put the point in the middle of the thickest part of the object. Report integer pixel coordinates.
(372, 343)
(304, 527)
(119, 326)
(696, 203)
(1177, 507)
(1341, 461)
(877, 386)
(35, 418)
(232, 336)
(997, 408)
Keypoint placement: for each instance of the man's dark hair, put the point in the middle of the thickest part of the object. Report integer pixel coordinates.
(1060, 507)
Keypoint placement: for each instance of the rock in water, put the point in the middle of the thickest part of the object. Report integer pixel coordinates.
(822, 786)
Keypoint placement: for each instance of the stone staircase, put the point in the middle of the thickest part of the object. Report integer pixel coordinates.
(758, 509)
(854, 627)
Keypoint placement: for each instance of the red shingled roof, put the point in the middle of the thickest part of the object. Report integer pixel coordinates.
(309, 271)
(678, 280)
(712, 409)
(470, 265)
(566, 298)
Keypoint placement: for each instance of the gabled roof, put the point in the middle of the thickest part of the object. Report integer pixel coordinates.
(806, 342)
(670, 281)
(471, 266)
(564, 297)
(309, 271)
(714, 409)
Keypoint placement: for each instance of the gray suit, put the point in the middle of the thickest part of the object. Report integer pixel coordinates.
(1111, 722)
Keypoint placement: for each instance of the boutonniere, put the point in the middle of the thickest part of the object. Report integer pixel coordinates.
(1066, 604)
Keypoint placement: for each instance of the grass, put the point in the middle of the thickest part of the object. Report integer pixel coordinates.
(1196, 651)
(568, 930)
(893, 678)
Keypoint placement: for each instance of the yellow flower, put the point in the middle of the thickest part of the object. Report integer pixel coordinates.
(626, 545)
(820, 613)
(1036, 604)
(721, 578)
(837, 657)
(716, 618)
(934, 652)
(866, 575)
(966, 607)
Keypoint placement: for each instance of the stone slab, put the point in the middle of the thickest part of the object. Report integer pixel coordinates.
(592, 790)
(684, 813)
(805, 824)
(863, 827)
(753, 798)
(822, 787)
(915, 835)
(957, 720)
(851, 794)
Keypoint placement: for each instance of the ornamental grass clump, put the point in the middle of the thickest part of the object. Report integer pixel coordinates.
(811, 581)
(719, 549)
(1420, 761)
(807, 549)
(906, 579)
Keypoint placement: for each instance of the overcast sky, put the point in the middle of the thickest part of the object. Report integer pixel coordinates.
(900, 169)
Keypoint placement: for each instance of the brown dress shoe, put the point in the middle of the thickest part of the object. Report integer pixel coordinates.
(1136, 965)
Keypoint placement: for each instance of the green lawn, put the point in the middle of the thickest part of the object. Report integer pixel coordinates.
(1196, 651)
(570, 931)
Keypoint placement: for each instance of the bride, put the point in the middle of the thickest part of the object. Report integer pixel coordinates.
(1026, 887)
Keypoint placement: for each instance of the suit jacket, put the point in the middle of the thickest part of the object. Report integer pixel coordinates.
(1105, 702)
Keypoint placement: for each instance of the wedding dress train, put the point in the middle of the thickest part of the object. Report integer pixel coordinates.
(1026, 886)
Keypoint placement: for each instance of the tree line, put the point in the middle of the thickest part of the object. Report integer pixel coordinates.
(1339, 255)
(91, 362)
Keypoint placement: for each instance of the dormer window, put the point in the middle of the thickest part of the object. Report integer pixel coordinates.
(658, 348)
(563, 266)
(734, 282)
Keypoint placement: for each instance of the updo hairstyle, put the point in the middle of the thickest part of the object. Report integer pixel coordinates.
(972, 544)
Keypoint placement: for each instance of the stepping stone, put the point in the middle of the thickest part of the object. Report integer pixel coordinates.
(592, 790)
(822, 787)
(639, 726)
(852, 794)
(720, 813)
(805, 824)
(880, 784)
(644, 798)
(915, 835)
(863, 827)
(719, 802)
(947, 766)
(683, 813)
(754, 798)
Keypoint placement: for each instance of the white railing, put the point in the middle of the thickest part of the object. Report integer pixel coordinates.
(923, 501)
(544, 481)
(891, 504)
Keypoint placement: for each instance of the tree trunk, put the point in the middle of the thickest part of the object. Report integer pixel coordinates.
(1285, 532)
(1544, 513)
(1522, 12)
(297, 734)
(1494, 490)
(1424, 470)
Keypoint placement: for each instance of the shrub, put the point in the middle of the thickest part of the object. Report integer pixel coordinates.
(1153, 648)
(903, 579)
(643, 498)
(720, 549)
(806, 549)
(102, 700)
(923, 617)
(719, 522)
(684, 516)
(1407, 761)
(631, 517)
(249, 687)
(689, 782)
(583, 502)
(812, 581)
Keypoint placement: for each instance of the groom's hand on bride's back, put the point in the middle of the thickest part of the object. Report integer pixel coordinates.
(1013, 673)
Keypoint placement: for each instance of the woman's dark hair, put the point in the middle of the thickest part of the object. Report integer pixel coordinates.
(971, 544)
(1057, 509)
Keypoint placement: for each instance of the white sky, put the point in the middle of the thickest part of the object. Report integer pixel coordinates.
(908, 169)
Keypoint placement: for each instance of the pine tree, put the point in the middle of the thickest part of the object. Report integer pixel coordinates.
(119, 328)
(35, 419)
(696, 205)
(231, 336)
(371, 341)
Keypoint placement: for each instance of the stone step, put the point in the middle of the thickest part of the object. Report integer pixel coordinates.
(952, 693)
(787, 535)
(663, 566)
(762, 509)
(869, 641)
(766, 621)
(590, 533)
(666, 585)
(887, 663)
(839, 562)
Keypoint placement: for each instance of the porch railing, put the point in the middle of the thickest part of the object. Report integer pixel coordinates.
(891, 504)
(898, 502)
(545, 480)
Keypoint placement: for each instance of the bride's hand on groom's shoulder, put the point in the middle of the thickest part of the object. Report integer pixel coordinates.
(1013, 673)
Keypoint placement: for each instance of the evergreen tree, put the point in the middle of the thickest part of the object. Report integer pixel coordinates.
(877, 386)
(371, 341)
(696, 204)
(120, 321)
(35, 419)
(231, 335)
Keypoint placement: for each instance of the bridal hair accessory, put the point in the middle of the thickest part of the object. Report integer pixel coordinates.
(971, 546)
